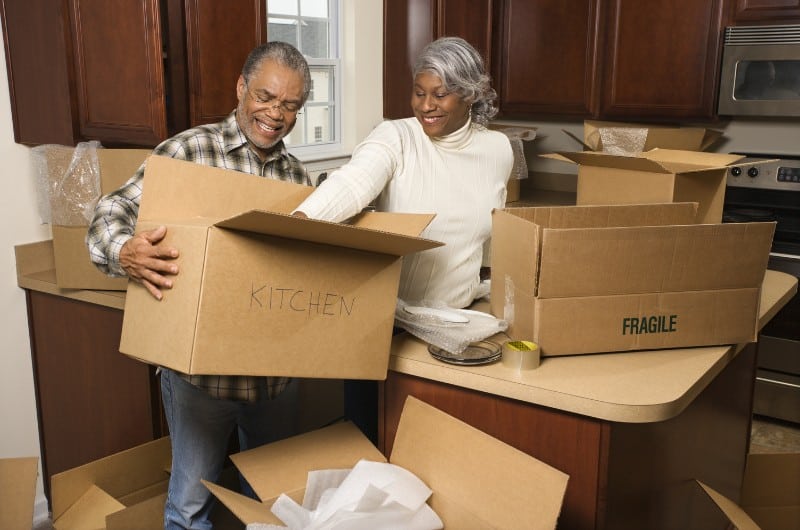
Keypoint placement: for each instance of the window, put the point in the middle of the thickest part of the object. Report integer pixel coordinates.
(312, 27)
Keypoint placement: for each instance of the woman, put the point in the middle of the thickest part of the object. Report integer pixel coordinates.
(444, 161)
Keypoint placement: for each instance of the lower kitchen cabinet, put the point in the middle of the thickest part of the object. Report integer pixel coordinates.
(92, 401)
(621, 475)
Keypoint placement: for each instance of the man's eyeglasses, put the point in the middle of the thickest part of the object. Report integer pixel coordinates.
(273, 103)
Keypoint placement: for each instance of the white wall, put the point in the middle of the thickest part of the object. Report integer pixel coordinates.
(19, 223)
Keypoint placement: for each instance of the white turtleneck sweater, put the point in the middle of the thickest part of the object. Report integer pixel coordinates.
(460, 177)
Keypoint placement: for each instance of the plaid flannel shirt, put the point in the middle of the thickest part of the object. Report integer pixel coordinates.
(219, 145)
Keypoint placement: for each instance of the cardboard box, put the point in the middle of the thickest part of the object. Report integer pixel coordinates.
(122, 491)
(585, 279)
(477, 481)
(17, 492)
(648, 136)
(771, 490)
(74, 269)
(261, 292)
(657, 176)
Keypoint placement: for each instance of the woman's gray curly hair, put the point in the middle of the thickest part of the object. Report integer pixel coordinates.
(461, 69)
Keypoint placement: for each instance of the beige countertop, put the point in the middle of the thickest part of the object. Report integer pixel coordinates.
(631, 387)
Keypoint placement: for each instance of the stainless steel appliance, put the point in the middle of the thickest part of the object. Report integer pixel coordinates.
(770, 191)
(760, 73)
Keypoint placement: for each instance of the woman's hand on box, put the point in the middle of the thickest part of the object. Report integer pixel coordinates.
(149, 262)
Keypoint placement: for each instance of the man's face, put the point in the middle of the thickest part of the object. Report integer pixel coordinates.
(268, 104)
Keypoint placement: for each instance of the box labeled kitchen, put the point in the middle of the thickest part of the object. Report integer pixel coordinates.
(262, 292)
(586, 279)
(632, 138)
(75, 178)
(477, 480)
(657, 176)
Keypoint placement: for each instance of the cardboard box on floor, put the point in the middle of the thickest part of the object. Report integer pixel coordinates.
(656, 136)
(122, 491)
(657, 176)
(477, 481)
(74, 270)
(586, 279)
(261, 292)
(17, 492)
(771, 490)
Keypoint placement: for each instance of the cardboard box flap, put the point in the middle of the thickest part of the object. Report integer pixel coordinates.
(691, 158)
(597, 159)
(247, 510)
(117, 474)
(342, 235)
(600, 216)
(628, 260)
(503, 486)
(89, 511)
(772, 479)
(117, 166)
(149, 513)
(18, 487)
(175, 189)
(734, 513)
(283, 466)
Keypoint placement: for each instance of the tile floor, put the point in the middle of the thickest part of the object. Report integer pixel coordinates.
(773, 436)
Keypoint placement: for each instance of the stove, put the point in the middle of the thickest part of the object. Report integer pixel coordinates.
(766, 187)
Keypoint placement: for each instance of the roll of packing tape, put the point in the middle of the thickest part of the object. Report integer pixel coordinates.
(521, 355)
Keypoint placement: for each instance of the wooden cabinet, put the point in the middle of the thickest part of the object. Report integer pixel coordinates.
(92, 401)
(661, 62)
(621, 475)
(746, 12)
(608, 59)
(411, 24)
(124, 72)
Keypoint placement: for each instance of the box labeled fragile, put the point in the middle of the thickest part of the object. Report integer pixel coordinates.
(477, 480)
(262, 292)
(657, 176)
(74, 269)
(586, 279)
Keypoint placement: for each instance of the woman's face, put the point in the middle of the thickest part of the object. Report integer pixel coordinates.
(437, 110)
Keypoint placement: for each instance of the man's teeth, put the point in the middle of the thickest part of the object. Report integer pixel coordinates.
(267, 127)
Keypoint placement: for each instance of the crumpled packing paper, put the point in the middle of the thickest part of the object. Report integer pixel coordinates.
(373, 495)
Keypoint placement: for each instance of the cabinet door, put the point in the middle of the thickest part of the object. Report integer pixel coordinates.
(36, 44)
(219, 36)
(545, 60)
(662, 59)
(766, 11)
(119, 73)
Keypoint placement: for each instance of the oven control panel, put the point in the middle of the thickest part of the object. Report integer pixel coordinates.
(765, 173)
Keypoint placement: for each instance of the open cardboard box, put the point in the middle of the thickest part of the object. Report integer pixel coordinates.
(17, 492)
(261, 292)
(657, 176)
(122, 491)
(74, 269)
(477, 480)
(656, 136)
(586, 279)
(771, 490)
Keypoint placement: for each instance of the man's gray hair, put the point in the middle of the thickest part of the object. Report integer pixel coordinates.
(282, 53)
(461, 69)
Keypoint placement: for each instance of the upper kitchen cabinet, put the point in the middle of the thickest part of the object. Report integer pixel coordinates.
(124, 72)
(411, 24)
(546, 57)
(766, 12)
(661, 59)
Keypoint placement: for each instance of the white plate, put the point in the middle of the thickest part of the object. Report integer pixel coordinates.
(441, 314)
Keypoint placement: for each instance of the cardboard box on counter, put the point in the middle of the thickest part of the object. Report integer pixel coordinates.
(74, 269)
(658, 176)
(771, 490)
(638, 137)
(121, 491)
(477, 480)
(262, 292)
(586, 279)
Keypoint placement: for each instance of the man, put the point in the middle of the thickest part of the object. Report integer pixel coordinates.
(202, 410)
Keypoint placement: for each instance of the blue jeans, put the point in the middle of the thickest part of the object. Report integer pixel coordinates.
(200, 428)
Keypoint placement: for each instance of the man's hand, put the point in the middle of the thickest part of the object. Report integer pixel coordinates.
(148, 262)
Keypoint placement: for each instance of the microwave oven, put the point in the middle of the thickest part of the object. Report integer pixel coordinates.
(760, 73)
